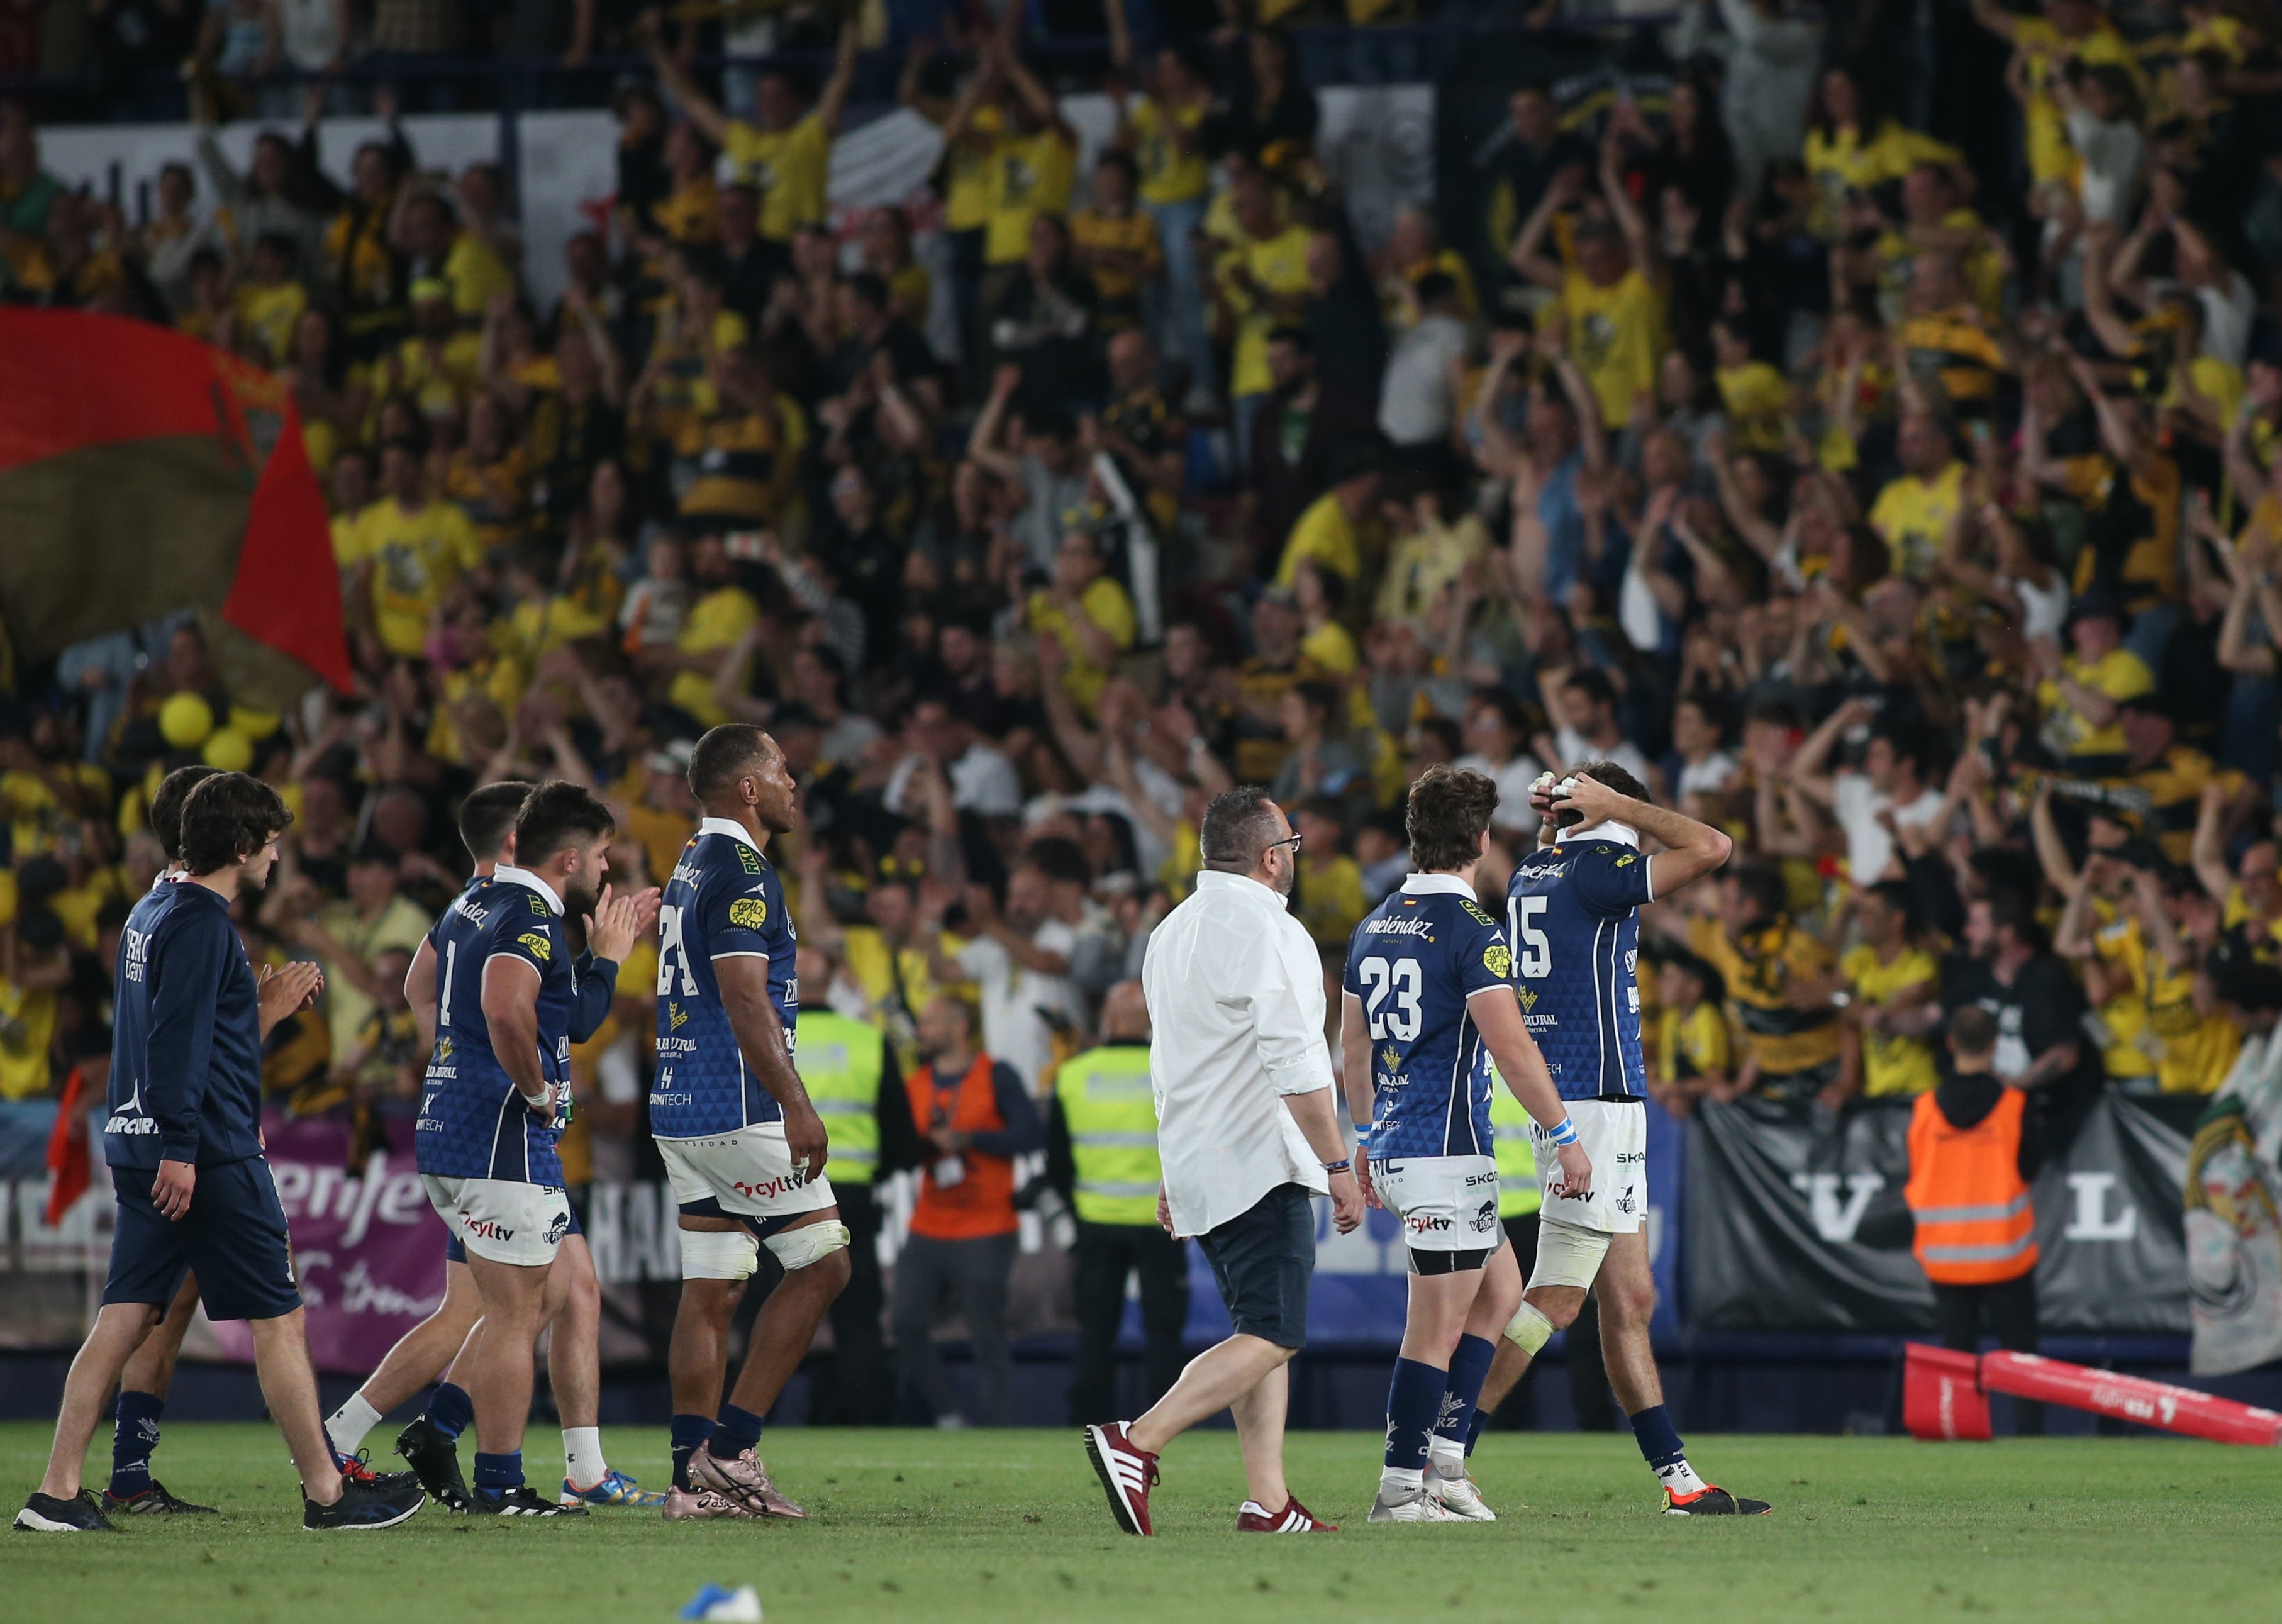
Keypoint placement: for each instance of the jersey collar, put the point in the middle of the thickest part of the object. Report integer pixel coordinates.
(1623, 833)
(735, 830)
(512, 875)
(1429, 885)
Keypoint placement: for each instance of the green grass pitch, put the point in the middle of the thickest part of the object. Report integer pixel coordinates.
(1009, 1526)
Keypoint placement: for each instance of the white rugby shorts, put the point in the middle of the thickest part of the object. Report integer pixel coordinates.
(1446, 1203)
(1614, 1134)
(502, 1220)
(748, 1174)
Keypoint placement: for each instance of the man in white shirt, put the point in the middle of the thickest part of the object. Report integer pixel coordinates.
(1019, 959)
(1247, 1132)
(1493, 739)
(1418, 398)
(1887, 788)
(983, 781)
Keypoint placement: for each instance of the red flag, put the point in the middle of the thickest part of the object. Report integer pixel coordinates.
(143, 473)
(68, 1157)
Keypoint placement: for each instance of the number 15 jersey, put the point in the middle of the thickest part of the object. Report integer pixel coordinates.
(723, 901)
(1414, 962)
(1569, 913)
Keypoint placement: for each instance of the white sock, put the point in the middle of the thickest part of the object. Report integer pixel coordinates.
(1680, 1477)
(1449, 1454)
(350, 1422)
(582, 1457)
(1402, 1480)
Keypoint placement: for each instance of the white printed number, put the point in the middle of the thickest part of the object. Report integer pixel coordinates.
(444, 992)
(1400, 978)
(1533, 950)
(672, 956)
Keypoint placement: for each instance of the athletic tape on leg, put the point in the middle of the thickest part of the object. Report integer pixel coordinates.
(1528, 1330)
(811, 1243)
(718, 1255)
(1568, 1254)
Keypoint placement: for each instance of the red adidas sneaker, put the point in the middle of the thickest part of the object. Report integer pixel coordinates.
(1294, 1519)
(1127, 1473)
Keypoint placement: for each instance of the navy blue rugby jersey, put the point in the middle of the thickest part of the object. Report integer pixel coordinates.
(724, 900)
(472, 1122)
(1414, 962)
(1569, 916)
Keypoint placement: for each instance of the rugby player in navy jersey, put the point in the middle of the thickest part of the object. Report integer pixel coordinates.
(1429, 1002)
(442, 1348)
(495, 1101)
(183, 1141)
(743, 1147)
(1571, 917)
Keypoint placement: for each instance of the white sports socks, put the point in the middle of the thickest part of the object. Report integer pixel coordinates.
(350, 1422)
(582, 1457)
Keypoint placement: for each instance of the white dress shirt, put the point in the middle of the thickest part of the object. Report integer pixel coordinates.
(1235, 1007)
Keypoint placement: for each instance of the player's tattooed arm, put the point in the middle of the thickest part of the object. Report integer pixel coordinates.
(744, 982)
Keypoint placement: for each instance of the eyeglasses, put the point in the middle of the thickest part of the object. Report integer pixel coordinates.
(1292, 842)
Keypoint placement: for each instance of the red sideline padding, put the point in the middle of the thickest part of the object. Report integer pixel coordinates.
(2129, 1398)
(1941, 1394)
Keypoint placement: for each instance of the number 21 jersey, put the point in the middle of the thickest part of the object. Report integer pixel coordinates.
(1414, 962)
(724, 900)
(1570, 915)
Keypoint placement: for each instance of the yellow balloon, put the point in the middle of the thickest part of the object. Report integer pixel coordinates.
(253, 723)
(185, 720)
(228, 750)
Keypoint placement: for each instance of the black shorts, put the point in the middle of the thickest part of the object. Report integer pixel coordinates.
(1263, 1260)
(233, 1236)
(456, 1250)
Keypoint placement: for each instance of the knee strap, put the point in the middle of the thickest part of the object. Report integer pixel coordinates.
(811, 1243)
(1568, 1254)
(1528, 1330)
(718, 1255)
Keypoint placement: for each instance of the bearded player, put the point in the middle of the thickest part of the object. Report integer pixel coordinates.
(1572, 919)
(743, 1147)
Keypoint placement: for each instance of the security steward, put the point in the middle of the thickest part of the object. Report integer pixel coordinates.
(851, 1079)
(1521, 1191)
(1975, 1145)
(1101, 1154)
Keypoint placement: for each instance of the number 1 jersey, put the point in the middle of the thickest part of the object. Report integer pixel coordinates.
(723, 901)
(1414, 962)
(1569, 913)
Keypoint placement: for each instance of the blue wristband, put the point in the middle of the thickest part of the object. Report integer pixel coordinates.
(1565, 1133)
(1343, 1165)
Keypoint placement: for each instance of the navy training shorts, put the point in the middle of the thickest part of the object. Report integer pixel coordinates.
(234, 1237)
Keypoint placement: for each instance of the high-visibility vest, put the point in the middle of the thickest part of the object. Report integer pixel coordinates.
(840, 1062)
(1520, 1190)
(982, 1202)
(1111, 1112)
(1974, 1224)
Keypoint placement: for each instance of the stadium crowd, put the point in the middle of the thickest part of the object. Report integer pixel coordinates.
(1917, 523)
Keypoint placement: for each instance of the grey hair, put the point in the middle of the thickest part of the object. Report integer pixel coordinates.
(1238, 827)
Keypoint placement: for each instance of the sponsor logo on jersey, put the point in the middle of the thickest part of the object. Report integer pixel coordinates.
(676, 1017)
(1497, 959)
(1627, 1157)
(135, 952)
(541, 949)
(1626, 861)
(1475, 1181)
(751, 858)
(467, 909)
(1428, 1223)
(1474, 912)
(749, 912)
(558, 1227)
(488, 1229)
(1396, 925)
(1527, 996)
(443, 1049)
(1624, 1203)
(537, 906)
(769, 1189)
(131, 1125)
(1389, 1058)
(1484, 1218)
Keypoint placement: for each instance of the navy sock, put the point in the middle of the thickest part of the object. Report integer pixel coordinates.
(1469, 1367)
(132, 1440)
(1414, 1399)
(1658, 1438)
(690, 1433)
(1476, 1427)
(735, 1431)
(497, 1475)
(451, 1409)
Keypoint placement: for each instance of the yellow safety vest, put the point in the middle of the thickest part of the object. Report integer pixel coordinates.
(1519, 1188)
(1111, 1112)
(840, 1062)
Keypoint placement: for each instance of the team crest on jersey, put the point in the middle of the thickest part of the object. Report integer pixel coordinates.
(540, 948)
(749, 912)
(1528, 995)
(1474, 911)
(676, 1017)
(443, 1050)
(1497, 959)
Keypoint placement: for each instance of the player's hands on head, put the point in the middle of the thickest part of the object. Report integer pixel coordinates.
(172, 1187)
(1591, 801)
(1346, 1202)
(1576, 1170)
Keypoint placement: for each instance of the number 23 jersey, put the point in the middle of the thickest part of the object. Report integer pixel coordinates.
(1414, 962)
(1570, 915)
(723, 901)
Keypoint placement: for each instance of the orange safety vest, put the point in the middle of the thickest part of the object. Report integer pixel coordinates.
(1974, 1224)
(982, 1203)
